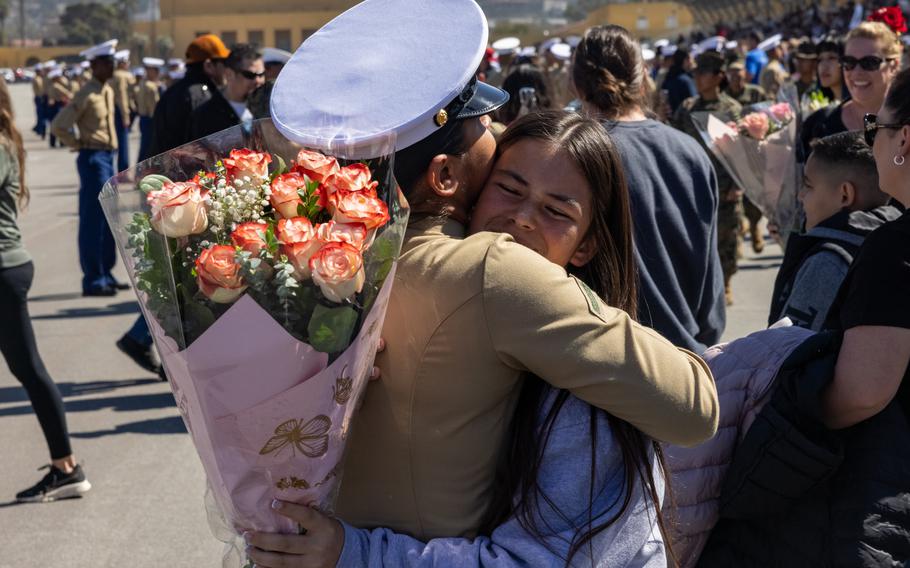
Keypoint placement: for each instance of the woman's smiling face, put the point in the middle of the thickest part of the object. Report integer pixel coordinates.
(537, 194)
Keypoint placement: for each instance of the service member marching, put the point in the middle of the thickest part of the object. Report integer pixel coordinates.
(148, 93)
(709, 76)
(92, 113)
(122, 82)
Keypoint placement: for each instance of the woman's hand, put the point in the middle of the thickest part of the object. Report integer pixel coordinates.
(376, 372)
(319, 547)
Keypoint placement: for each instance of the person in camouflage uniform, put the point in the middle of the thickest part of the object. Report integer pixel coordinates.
(709, 76)
(739, 88)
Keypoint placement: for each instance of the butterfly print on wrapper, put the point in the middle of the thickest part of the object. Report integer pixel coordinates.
(310, 438)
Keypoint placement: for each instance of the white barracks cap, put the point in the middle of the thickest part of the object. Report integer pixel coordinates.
(106, 49)
(275, 55)
(152, 62)
(385, 66)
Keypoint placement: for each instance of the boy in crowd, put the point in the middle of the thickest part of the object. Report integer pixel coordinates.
(843, 204)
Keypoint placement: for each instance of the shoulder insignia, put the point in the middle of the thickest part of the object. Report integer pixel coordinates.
(595, 304)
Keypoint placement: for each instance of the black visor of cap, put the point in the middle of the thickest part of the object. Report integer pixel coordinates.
(477, 99)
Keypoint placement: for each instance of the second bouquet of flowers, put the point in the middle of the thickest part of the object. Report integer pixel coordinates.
(263, 270)
(759, 152)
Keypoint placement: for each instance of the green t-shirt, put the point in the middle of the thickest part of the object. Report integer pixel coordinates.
(12, 253)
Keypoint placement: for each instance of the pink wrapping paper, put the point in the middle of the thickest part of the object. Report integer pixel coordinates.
(267, 416)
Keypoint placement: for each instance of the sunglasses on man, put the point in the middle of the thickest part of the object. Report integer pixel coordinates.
(871, 128)
(252, 76)
(868, 63)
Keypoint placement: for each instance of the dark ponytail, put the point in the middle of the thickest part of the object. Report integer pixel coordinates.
(609, 72)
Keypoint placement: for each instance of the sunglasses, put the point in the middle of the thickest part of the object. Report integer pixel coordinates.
(871, 128)
(868, 63)
(249, 74)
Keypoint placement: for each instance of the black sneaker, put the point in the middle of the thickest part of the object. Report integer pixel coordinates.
(142, 355)
(56, 485)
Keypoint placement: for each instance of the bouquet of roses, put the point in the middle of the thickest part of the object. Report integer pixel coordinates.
(759, 152)
(263, 270)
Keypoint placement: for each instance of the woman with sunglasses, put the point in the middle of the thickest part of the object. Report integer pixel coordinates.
(870, 60)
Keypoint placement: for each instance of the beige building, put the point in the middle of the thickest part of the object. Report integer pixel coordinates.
(643, 19)
(273, 23)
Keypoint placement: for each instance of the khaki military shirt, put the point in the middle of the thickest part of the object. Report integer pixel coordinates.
(38, 86)
(122, 82)
(773, 77)
(59, 93)
(92, 112)
(147, 96)
(467, 318)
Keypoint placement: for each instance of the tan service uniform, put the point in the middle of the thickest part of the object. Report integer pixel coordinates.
(467, 318)
(122, 82)
(59, 93)
(147, 96)
(92, 112)
(38, 86)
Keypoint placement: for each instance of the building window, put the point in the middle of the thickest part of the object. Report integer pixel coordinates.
(642, 23)
(283, 39)
(672, 22)
(255, 37)
(229, 38)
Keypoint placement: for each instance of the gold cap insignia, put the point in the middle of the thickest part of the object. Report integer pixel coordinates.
(441, 118)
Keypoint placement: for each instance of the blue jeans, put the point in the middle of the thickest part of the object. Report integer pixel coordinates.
(145, 140)
(51, 112)
(40, 114)
(123, 142)
(97, 253)
(140, 332)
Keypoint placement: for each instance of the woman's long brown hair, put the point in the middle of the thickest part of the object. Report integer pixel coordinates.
(12, 139)
(612, 275)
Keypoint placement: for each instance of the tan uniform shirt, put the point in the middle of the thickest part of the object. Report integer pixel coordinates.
(467, 317)
(147, 96)
(122, 82)
(92, 112)
(59, 93)
(38, 86)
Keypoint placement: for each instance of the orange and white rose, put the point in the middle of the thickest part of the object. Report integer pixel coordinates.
(337, 268)
(299, 242)
(360, 207)
(250, 237)
(178, 209)
(247, 163)
(352, 233)
(218, 274)
(355, 178)
(316, 166)
(284, 197)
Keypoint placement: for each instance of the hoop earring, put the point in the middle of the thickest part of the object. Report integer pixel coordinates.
(899, 160)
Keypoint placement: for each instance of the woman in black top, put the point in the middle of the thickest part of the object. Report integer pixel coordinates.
(870, 61)
(17, 339)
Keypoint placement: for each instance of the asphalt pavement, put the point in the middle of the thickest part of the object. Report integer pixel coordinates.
(146, 505)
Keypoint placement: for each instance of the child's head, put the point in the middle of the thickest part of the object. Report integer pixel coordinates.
(840, 174)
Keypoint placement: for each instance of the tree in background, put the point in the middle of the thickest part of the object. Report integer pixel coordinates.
(165, 46)
(4, 12)
(90, 23)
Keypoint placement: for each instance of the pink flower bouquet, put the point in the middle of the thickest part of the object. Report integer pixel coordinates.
(263, 270)
(759, 152)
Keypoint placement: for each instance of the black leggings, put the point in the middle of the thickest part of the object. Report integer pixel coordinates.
(17, 343)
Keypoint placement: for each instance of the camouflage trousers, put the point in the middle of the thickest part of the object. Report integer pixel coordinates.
(729, 235)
